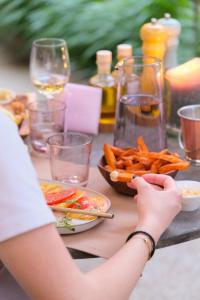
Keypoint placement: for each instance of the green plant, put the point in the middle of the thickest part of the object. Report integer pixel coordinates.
(88, 26)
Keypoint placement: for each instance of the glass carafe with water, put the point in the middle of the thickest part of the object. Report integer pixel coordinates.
(140, 109)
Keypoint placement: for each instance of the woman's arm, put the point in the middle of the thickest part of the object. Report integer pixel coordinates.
(42, 265)
(44, 268)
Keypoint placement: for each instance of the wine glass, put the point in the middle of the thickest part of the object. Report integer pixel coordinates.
(49, 66)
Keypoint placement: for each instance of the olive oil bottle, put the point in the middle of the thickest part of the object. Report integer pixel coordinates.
(106, 81)
(123, 51)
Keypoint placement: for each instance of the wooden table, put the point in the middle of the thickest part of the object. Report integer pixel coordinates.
(185, 227)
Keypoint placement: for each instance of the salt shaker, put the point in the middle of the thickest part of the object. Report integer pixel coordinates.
(173, 29)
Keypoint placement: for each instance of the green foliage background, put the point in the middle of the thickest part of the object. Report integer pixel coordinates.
(89, 25)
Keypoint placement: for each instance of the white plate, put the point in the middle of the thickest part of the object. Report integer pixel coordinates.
(189, 202)
(78, 225)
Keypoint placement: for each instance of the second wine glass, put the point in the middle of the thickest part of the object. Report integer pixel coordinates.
(49, 66)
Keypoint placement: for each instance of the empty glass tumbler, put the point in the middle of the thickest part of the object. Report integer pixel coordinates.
(70, 157)
(46, 118)
(140, 109)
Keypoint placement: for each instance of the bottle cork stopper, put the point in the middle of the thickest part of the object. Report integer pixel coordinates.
(104, 57)
(153, 20)
(124, 50)
(167, 16)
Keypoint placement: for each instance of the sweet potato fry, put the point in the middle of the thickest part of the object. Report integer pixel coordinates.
(183, 165)
(141, 144)
(122, 177)
(168, 157)
(164, 151)
(135, 167)
(130, 157)
(109, 156)
(120, 164)
(156, 165)
(117, 151)
(127, 163)
(128, 152)
(146, 161)
(141, 172)
(124, 171)
(108, 168)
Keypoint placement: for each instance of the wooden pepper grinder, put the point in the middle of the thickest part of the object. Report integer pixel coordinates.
(154, 37)
(173, 28)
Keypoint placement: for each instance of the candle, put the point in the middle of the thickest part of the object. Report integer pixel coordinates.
(182, 88)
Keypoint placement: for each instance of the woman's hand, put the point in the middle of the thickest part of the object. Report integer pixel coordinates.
(156, 208)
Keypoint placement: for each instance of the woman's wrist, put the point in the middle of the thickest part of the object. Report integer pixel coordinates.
(151, 227)
(147, 239)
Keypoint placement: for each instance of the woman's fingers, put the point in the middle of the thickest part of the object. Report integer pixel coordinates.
(163, 180)
(138, 183)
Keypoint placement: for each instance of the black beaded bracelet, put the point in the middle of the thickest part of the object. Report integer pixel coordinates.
(148, 235)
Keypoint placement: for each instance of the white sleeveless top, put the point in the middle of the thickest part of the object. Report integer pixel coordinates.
(22, 205)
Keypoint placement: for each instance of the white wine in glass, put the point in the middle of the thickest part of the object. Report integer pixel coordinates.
(49, 66)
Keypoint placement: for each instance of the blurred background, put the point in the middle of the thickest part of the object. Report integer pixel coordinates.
(91, 25)
(88, 26)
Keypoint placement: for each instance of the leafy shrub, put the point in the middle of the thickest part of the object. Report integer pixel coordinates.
(88, 26)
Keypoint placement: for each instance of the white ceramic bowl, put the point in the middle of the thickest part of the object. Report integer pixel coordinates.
(190, 191)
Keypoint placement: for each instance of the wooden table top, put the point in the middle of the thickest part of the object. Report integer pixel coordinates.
(186, 226)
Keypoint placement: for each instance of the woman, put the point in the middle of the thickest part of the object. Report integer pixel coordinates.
(33, 253)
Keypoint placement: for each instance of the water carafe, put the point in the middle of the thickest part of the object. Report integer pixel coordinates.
(140, 109)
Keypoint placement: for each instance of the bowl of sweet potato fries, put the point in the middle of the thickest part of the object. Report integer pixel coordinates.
(120, 165)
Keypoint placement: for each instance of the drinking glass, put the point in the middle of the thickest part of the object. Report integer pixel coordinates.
(49, 66)
(45, 119)
(139, 109)
(70, 157)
